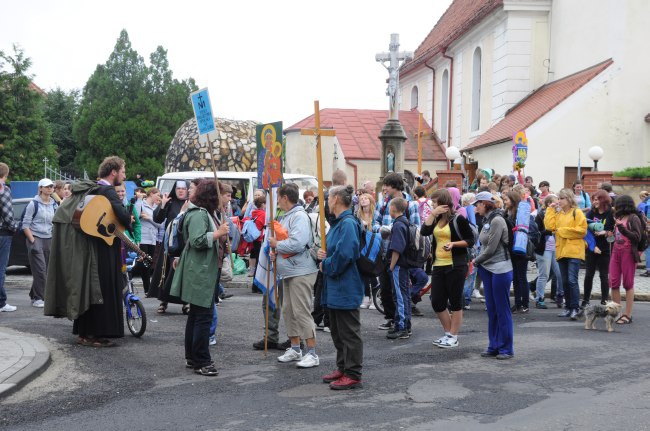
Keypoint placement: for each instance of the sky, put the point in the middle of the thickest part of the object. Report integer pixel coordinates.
(261, 60)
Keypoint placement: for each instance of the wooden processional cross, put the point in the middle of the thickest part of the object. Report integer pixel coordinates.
(318, 132)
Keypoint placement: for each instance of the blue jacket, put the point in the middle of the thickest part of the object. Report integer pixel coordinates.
(342, 287)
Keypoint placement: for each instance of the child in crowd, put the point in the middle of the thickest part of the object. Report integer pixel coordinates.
(399, 269)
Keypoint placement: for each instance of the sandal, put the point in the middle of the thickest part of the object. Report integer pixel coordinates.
(186, 309)
(624, 320)
(162, 308)
(105, 342)
(89, 342)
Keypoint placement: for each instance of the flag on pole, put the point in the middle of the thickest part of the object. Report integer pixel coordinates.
(264, 264)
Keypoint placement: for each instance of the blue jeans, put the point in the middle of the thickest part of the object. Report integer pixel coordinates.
(5, 249)
(215, 321)
(419, 279)
(470, 281)
(496, 288)
(647, 259)
(569, 268)
(545, 264)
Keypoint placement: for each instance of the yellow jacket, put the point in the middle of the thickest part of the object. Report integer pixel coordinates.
(570, 229)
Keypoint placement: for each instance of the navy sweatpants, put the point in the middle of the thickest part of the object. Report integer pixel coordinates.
(401, 295)
(497, 301)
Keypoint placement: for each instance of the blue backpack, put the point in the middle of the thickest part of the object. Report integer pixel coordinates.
(173, 241)
(36, 205)
(370, 263)
(249, 230)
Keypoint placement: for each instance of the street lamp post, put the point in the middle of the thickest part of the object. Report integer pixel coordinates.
(595, 154)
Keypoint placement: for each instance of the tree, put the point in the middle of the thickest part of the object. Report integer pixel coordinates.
(60, 112)
(131, 110)
(24, 134)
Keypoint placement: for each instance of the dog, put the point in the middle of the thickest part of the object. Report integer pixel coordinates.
(609, 311)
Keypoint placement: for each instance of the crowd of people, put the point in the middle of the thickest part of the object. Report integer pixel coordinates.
(471, 232)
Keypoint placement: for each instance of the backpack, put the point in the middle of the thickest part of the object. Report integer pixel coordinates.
(36, 205)
(371, 248)
(472, 252)
(643, 239)
(173, 241)
(249, 230)
(418, 247)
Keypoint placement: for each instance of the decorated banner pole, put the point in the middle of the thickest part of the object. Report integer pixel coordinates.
(519, 153)
(269, 176)
(205, 124)
(318, 132)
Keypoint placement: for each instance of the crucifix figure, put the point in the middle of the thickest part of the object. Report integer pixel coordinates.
(393, 57)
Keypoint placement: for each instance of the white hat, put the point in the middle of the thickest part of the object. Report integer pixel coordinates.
(45, 182)
(483, 196)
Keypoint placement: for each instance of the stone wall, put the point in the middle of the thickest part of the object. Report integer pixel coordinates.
(234, 147)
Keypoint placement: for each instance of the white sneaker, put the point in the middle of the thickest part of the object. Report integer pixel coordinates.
(448, 343)
(290, 355)
(365, 303)
(326, 329)
(440, 340)
(310, 360)
(38, 303)
(476, 294)
(372, 306)
(8, 307)
(213, 340)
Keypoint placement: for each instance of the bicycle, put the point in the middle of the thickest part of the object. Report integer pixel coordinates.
(136, 316)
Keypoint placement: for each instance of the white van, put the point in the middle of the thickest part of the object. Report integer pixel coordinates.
(244, 182)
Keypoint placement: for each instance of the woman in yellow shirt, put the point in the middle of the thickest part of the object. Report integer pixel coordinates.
(569, 224)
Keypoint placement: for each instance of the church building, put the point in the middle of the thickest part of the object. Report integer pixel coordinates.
(570, 73)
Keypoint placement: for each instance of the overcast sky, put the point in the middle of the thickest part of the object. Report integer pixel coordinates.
(261, 60)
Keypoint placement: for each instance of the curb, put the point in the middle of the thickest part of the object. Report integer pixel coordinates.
(38, 362)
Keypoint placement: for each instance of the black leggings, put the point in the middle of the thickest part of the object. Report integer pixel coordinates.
(447, 284)
(601, 263)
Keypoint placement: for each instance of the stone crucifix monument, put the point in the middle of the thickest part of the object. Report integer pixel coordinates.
(392, 135)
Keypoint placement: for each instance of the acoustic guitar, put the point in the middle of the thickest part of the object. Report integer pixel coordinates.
(94, 216)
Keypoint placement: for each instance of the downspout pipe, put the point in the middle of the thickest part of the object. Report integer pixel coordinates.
(451, 98)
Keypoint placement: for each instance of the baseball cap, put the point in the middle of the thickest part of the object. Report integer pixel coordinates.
(45, 182)
(483, 196)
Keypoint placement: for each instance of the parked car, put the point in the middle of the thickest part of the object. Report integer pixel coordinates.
(18, 254)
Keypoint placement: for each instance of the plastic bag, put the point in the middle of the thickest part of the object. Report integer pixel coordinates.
(239, 266)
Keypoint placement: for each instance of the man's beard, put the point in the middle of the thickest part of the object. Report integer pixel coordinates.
(117, 182)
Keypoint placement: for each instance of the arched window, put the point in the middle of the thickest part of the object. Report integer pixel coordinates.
(444, 106)
(476, 90)
(414, 97)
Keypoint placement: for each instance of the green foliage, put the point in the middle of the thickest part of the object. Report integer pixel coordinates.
(60, 111)
(640, 172)
(25, 137)
(131, 110)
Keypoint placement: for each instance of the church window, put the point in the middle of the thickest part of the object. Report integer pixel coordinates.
(414, 97)
(444, 106)
(476, 90)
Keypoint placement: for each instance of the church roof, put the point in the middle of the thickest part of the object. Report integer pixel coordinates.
(457, 20)
(535, 105)
(357, 131)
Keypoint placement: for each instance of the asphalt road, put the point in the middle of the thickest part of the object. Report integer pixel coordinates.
(562, 378)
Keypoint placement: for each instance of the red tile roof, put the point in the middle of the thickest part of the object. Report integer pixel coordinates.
(357, 131)
(535, 105)
(459, 18)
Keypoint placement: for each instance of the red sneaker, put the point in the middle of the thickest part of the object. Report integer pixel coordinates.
(333, 376)
(345, 383)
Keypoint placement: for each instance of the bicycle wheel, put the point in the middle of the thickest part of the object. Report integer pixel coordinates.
(376, 299)
(136, 318)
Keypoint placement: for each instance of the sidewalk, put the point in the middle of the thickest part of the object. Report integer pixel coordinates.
(22, 358)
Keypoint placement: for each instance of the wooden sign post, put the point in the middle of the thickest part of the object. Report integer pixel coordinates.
(318, 132)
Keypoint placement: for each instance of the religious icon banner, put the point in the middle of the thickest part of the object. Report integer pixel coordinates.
(269, 155)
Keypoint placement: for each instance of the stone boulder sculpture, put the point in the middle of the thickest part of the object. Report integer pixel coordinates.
(234, 148)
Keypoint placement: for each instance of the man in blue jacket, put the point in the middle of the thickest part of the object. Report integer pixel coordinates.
(343, 290)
